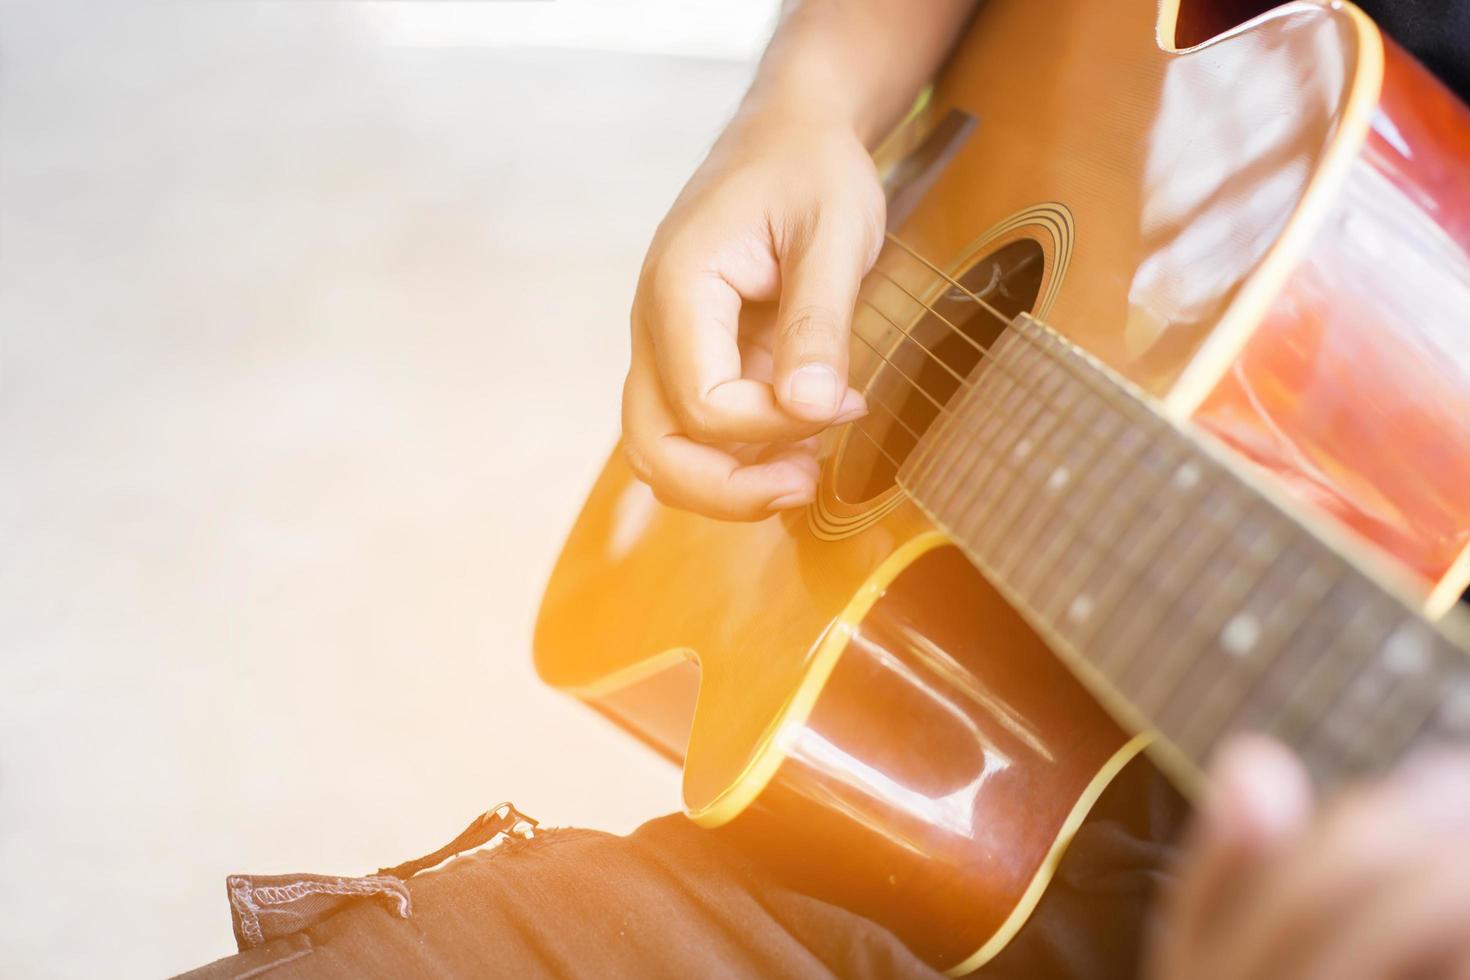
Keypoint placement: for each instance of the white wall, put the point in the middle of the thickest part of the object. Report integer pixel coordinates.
(311, 341)
(726, 29)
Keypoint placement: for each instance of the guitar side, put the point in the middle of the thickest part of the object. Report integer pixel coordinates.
(841, 681)
(871, 694)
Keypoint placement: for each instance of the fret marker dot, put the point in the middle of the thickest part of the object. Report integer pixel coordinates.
(1080, 608)
(1186, 476)
(1058, 478)
(1240, 635)
(1454, 709)
(1023, 448)
(1406, 651)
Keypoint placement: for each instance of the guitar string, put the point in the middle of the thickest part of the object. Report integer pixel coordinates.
(1116, 400)
(924, 465)
(1108, 393)
(1080, 533)
(1045, 450)
(1091, 382)
(1030, 388)
(1041, 398)
(966, 337)
(984, 352)
(926, 351)
(878, 445)
(940, 407)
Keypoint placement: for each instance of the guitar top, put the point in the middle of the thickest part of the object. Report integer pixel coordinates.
(1168, 369)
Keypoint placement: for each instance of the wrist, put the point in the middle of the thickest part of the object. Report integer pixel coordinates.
(822, 83)
(793, 121)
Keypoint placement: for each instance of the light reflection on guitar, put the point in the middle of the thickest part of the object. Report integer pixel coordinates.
(1169, 345)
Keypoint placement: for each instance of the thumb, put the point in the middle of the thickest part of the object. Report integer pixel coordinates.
(1258, 800)
(819, 285)
(1260, 796)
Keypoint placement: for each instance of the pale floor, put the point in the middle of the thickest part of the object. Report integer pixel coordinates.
(311, 346)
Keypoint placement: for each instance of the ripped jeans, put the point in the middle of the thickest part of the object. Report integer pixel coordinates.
(673, 900)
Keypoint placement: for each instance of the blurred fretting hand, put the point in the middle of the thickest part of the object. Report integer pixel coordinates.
(779, 224)
(1373, 886)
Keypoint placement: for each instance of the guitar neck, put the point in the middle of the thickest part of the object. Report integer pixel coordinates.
(1191, 601)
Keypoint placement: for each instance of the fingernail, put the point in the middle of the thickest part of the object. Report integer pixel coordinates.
(800, 498)
(815, 385)
(853, 406)
(1261, 789)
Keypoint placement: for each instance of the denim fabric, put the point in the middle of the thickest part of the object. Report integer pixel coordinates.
(264, 908)
(673, 900)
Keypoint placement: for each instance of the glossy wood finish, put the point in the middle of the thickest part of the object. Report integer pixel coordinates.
(750, 601)
(1200, 20)
(1355, 389)
(1182, 171)
(944, 757)
(1190, 599)
(1176, 196)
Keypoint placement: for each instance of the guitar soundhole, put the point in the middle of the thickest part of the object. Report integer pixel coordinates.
(921, 364)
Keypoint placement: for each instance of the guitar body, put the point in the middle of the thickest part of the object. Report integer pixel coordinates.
(1266, 233)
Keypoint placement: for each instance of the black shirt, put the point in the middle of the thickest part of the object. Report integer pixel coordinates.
(1437, 32)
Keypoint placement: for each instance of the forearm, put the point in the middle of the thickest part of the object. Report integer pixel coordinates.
(858, 62)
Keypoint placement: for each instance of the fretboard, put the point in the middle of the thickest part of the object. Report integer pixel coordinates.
(1188, 598)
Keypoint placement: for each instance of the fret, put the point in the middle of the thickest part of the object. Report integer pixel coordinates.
(1026, 440)
(1015, 412)
(1081, 537)
(1026, 437)
(1071, 593)
(1407, 657)
(1013, 398)
(1080, 459)
(1012, 378)
(1270, 701)
(1077, 511)
(1123, 650)
(1026, 434)
(1038, 474)
(1277, 706)
(1144, 533)
(1287, 594)
(949, 439)
(1228, 632)
(1299, 720)
(1408, 684)
(1448, 720)
(1197, 598)
(1207, 617)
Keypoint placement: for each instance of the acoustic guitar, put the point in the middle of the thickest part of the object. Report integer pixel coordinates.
(1168, 364)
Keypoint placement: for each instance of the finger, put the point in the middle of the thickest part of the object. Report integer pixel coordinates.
(805, 459)
(1415, 926)
(691, 315)
(693, 476)
(758, 363)
(1367, 835)
(821, 270)
(1258, 801)
(806, 449)
(800, 454)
